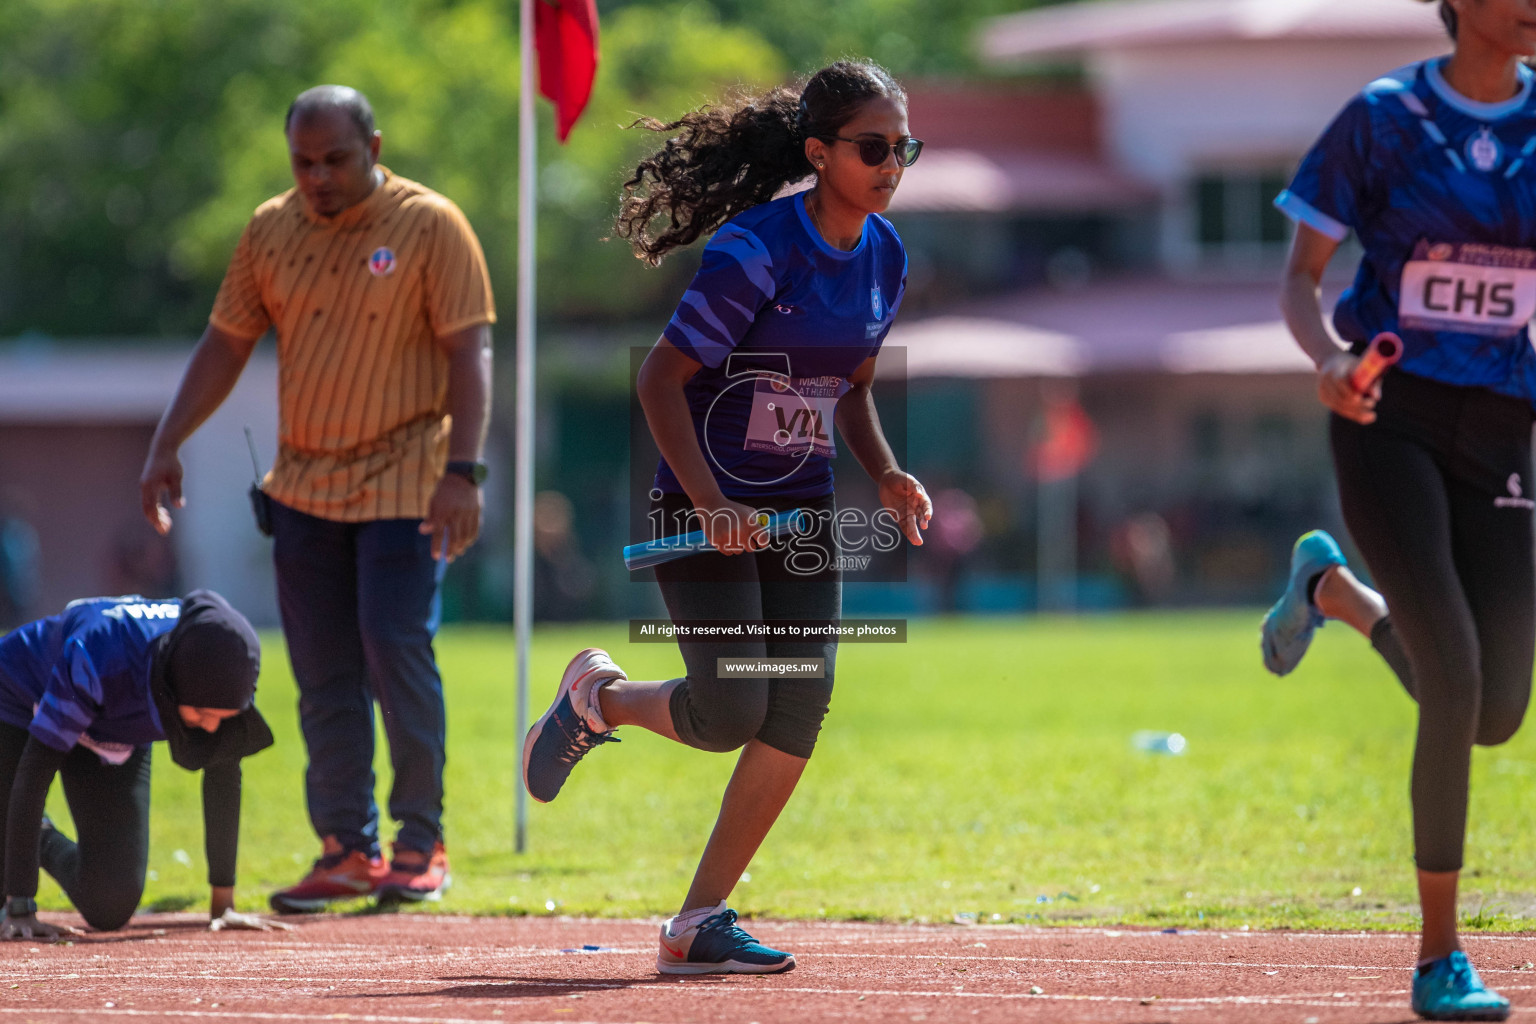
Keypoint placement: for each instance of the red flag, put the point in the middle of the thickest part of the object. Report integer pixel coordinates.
(1069, 442)
(565, 34)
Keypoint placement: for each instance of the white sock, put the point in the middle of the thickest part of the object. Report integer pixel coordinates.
(688, 918)
(594, 715)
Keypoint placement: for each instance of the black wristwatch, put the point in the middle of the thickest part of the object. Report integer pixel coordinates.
(474, 472)
(21, 906)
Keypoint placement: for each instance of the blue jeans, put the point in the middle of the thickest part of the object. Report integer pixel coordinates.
(360, 605)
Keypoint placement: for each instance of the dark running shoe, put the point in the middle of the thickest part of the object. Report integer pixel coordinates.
(717, 946)
(569, 728)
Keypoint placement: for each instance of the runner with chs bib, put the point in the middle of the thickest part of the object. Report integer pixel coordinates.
(1433, 167)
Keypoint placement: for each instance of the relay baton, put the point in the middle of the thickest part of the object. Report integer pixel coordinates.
(654, 552)
(1384, 350)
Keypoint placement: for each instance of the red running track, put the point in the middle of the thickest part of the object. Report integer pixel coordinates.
(419, 968)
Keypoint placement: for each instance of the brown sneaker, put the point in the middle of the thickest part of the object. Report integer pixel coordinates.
(338, 875)
(415, 879)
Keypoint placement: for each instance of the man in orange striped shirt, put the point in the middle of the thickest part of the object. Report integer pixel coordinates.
(378, 293)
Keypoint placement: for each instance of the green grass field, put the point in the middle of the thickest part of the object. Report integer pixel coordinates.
(984, 768)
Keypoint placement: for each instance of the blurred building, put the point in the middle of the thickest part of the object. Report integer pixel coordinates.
(1107, 229)
(75, 425)
(1114, 228)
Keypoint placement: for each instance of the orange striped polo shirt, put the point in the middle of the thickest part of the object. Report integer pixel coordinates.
(358, 301)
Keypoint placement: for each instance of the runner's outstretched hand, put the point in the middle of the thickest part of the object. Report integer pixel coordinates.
(14, 929)
(903, 495)
(234, 921)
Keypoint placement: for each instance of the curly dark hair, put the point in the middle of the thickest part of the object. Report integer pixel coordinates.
(727, 158)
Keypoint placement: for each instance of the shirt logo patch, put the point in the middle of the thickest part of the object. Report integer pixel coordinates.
(158, 610)
(382, 262)
(1484, 151)
(1515, 499)
(874, 303)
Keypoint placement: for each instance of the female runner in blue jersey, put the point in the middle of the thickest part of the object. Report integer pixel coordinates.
(83, 694)
(1434, 169)
(774, 340)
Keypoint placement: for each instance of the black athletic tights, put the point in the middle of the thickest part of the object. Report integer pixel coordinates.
(102, 874)
(1436, 494)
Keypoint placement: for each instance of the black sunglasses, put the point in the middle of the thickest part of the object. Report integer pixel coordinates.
(873, 150)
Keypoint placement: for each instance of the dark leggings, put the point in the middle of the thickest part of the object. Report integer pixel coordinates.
(1436, 495)
(717, 714)
(102, 874)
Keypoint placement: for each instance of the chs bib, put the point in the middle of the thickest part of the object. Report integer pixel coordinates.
(1470, 287)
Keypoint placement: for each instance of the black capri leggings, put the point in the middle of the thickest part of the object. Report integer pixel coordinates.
(1437, 496)
(712, 713)
(102, 874)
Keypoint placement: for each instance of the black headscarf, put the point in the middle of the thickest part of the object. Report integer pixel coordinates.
(210, 659)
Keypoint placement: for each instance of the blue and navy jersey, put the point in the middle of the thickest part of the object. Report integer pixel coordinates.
(1441, 192)
(87, 672)
(780, 319)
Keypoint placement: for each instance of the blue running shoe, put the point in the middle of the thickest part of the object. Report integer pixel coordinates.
(717, 946)
(570, 727)
(1449, 989)
(1288, 628)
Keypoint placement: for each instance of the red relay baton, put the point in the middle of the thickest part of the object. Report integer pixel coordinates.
(1384, 350)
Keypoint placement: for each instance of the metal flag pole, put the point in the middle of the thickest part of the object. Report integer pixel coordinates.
(522, 504)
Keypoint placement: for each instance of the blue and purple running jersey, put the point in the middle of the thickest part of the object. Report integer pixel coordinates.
(780, 319)
(87, 673)
(1441, 192)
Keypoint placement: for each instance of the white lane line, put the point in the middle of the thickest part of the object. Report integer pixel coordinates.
(874, 932)
(957, 957)
(735, 991)
(308, 921)
(365, 1018)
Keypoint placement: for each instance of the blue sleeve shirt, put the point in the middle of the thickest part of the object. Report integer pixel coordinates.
(780, 319)
(1441, 192)
(87, 673)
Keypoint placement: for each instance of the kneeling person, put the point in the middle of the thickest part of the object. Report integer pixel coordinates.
(83, 694)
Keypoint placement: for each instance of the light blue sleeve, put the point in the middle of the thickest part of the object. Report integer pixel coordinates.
(1332, 184)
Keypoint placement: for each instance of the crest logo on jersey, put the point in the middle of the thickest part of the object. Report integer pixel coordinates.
(382, 262)
(1484, 151)
(874, 302)
(1440, 251)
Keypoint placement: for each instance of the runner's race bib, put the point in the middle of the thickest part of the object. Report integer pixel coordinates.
(793, 415)
(1468, 287)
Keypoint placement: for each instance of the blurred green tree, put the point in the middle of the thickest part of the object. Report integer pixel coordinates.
(136, 136)
(918, 38)
(109, 133)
